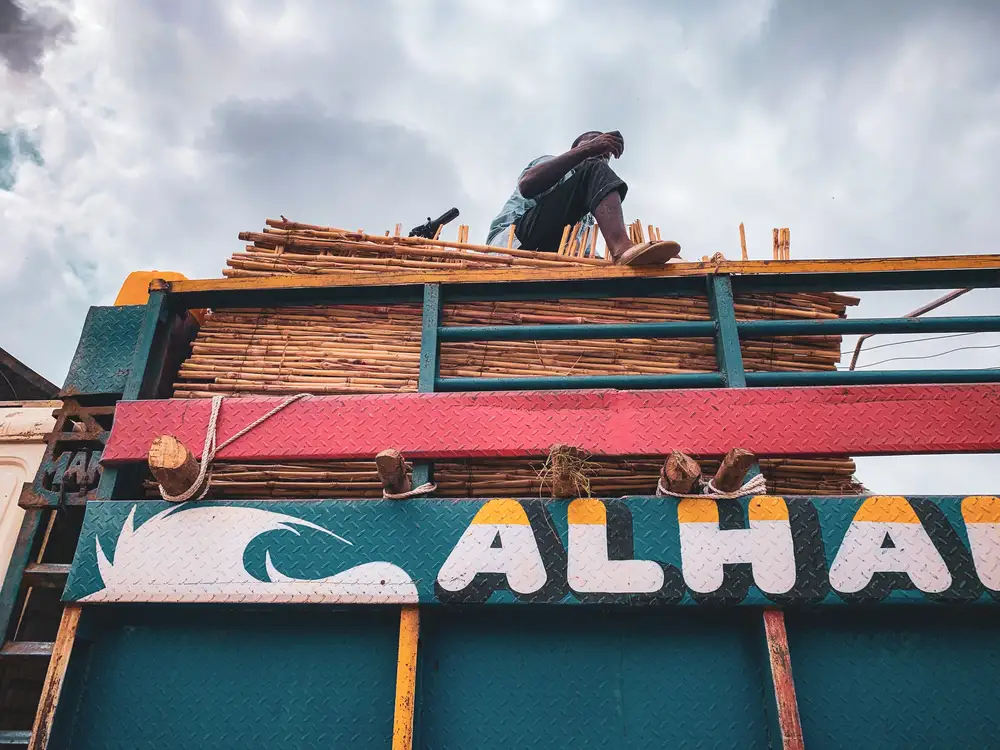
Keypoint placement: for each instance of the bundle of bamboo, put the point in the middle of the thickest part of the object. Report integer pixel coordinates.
(286, 247)
(608, 477)
(365, 349)
(376, 349)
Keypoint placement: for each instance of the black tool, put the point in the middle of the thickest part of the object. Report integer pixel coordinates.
(428, 230)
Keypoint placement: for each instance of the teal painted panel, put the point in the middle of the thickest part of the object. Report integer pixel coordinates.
(162, 679)
(103, 356)
(545, 677)
(638, 551)
(886, 680)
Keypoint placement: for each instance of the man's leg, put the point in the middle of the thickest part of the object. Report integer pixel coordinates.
(593, 188)
(593, 182)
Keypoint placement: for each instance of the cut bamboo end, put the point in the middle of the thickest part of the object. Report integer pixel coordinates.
(391, 468)
(172, 464)
(733, 469)
(743, 243)
(563, 240)
(680, 473)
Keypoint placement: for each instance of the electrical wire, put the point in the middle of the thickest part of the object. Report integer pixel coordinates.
(912, 341)
(928, 356)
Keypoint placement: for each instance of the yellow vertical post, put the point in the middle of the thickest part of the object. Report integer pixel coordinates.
(406, 678)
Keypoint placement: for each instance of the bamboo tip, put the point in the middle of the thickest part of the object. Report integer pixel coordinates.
(167, 452)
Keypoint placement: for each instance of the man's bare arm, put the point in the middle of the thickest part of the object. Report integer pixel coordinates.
(541, 177)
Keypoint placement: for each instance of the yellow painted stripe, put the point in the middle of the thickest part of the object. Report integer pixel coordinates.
(886, 509)
(587, 511)
(502, 511)
(748, 267)
(768, 508)
(406, 678)
(693, 510)
(981, 509)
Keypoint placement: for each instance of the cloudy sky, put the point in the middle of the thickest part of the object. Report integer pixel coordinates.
(147, 134)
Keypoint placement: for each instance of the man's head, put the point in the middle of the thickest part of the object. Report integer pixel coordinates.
(589, 135)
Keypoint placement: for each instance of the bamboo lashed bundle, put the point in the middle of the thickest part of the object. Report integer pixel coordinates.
(372, 349)
(353, 349)
(285, 248)
(608, 477)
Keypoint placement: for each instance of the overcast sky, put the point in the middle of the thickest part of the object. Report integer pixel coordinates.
(139, 135)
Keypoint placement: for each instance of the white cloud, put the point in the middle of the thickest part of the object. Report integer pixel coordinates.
(169, 126)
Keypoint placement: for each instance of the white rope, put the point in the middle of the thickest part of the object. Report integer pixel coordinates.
(424, 489)
(755, 486)
(204, 478)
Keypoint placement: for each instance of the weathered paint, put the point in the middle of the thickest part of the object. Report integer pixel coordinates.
(781, 677)
(632, 551)
(406, 678)
(54, 677)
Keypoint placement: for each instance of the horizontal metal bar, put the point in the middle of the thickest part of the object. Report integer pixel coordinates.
(967, 324)
(986, 278)
(46, 575)
(624, 382)
(852, 421)
(26, 649)
(760, 277)
(685, 329)
(871, 377)
(15, 738)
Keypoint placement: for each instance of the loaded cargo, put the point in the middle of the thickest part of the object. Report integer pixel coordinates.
(431, 494)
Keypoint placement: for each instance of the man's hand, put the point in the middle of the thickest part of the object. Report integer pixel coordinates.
(606, 144)
(541, 177)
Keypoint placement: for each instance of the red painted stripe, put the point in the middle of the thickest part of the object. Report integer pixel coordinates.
(866, 420)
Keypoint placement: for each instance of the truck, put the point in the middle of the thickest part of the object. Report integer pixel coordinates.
(703, 619)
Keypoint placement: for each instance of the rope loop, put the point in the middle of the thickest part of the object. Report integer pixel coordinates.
(424, 489)
(204, 479)
(756, 485)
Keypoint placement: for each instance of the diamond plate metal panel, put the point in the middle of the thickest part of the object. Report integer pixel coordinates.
(789, 421)
(878, 679)
(104, 353)
(231, 679)
(615, 679)
(631, 551)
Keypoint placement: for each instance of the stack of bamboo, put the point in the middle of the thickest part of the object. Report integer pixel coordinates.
(366, 349)
(376, 349)
(285, 248)
(608, 477)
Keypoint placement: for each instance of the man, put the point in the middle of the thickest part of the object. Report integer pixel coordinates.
(577, 186)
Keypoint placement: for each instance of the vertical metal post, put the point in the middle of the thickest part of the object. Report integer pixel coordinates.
(727, 337)
(155, 314)
(429, 363)
(24, 547)
(423, 472)
(786, 704)
(721, 305)
(55, 677)
(406, 678)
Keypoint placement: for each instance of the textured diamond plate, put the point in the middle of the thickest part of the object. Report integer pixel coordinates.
(632, 551)
(877, 679)
(601, 679)
(786, 421)
(104, 354)
(163, 680)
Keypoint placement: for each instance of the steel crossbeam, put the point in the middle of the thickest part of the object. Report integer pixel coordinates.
(868, 420)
